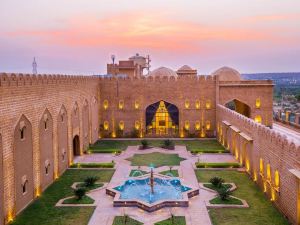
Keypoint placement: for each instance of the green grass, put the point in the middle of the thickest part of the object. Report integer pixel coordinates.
(120, 220)
(173, 172)
(96, 185)
(93, 165)
(111, 146)
(132, 172)
(201, 145)
(177, 220)
(261, 210)
(218, 165)
(229, 201)
(156, 158)
(210, 186)
(43, 211)
(199, 151)
(84, 200)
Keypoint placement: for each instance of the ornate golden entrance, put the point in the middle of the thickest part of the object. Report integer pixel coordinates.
(162, 119)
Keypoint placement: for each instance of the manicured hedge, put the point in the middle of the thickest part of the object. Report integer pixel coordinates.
(92, 165)
(95, 150)
(209, 151)
(218, 165)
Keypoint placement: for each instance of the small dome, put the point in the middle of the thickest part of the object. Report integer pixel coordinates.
(227, 74)
(162, 72)
(185, 67)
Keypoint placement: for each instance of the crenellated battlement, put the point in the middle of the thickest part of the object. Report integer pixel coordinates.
(201, 78)
(12, 79)
(263, 131)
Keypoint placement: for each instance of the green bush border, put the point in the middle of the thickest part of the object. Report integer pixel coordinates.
(209, 151)
(93, 165)
(218, 165)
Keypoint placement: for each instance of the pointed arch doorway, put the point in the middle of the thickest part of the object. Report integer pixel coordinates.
(162, 119)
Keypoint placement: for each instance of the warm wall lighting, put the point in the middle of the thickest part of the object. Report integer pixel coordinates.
(136, 105)
(137, 125)
(258, 119)
(254, 176)
(187, 104)
(247, 165)
(202, 133)
(56, 175)
(197, 104)
(105, 104)
(113, 134)
(268, 172)
(257, 103)
(187, 125)
(10, 216)
(265, 186)
(106, 125)
(121, 104)
(208, 104)
(261, 166)
(207, 125)
(121, 125)
(37, 192)
(277, 179)
(273, 195)
(197, 125)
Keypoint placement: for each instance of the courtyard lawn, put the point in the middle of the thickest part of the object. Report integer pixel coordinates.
(200, 146)
(156, 158)
(261, 210)
(120, 220)
(173, 172)
(85, 200)
(43, 211)
(177, 220)
(119, 145)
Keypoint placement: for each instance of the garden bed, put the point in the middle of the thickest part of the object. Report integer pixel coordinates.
(93, 165)
(218, 165)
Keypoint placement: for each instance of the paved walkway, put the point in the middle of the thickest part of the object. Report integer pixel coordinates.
(195, 214)
(292, 134)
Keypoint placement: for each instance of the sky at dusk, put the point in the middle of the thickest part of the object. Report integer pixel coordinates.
(79, 36)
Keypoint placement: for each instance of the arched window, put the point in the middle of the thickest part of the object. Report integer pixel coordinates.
(258, 119)
(208, 125)
(106, 125)
(22, 133)
(136, 104)
(197, 104)
(121, 104)
(105, 104)
(187, 104)
(121, 125)
(187, 125)
(208, 104)
(137, 125)
(257, 103)
(197, 125)
(24, 184)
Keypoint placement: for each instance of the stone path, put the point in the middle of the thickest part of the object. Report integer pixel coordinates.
(195, 214)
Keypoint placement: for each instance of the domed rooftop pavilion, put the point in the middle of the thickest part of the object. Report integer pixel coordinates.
(163, 72)
(227, 74)
(186, 71)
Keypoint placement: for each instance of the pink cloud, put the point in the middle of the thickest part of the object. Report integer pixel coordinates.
(142, 31)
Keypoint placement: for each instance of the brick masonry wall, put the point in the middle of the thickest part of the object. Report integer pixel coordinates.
(277, 150)
(147, 91)
(31, 96)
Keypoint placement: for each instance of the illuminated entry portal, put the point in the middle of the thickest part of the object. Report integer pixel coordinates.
(162, 118)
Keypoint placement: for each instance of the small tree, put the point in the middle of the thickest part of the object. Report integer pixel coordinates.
(224, 193)
(80, 193)
(170, 168)
(216, 181)
(145, 144)
(90, 181)
(168, 144)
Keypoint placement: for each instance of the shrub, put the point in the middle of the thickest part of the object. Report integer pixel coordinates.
(224, 193)
(216, 181)
(134, 133)
(145, 144)
(218, 165)
(90, 181)
(80, 193)
(168, 144)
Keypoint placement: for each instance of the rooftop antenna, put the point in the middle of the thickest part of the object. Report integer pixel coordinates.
(34, 66)
(148, 60)
(113, 57)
